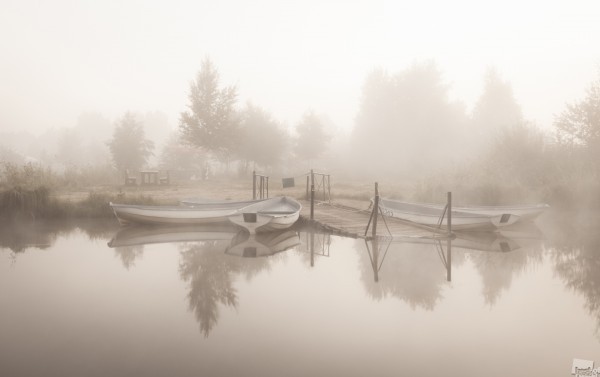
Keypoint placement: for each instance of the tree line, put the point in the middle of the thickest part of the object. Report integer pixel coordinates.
(406, 127)
(213, 127)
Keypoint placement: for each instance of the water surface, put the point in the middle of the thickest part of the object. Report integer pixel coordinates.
(492, 305)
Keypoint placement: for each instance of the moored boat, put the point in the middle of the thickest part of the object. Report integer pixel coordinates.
(262, 215)
(268, 215)
(431, 216)
(160, 215)
(526, 212)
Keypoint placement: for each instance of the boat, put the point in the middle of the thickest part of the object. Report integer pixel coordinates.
(262, 215)
(268, 215)
(432, 216)
(525, 212)
(210, 203)
(161, 215)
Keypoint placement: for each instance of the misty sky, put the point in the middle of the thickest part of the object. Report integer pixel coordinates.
(61, 58)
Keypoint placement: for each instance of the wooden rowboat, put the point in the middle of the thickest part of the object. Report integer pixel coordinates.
(268, 215)
(431, 216)
(525, 212)
(264, 215)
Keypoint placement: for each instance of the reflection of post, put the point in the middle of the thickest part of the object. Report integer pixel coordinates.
(312, 247)
(449, 260)
(375, 260)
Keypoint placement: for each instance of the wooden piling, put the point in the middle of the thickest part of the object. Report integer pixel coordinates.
(312, 195)
(307, 187)
(449, 213)
(253, 184)
(375, 210)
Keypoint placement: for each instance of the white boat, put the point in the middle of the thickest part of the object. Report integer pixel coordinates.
(431, 216)
(210, 203)
(526, 212)
(160, 215)
(263, 215)
(268, 215)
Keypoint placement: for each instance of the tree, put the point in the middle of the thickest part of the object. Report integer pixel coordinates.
(579, 123)
(180, 156)
(496, 110)
(129, 147)
(210, 122)
(262, 138)
(405, 122)
(312, 139)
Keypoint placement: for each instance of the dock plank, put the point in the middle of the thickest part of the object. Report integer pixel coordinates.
(350, 221)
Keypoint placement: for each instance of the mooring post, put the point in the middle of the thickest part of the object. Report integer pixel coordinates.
(307, 186)
(312, 195)
(267, 187)
(375, 210)
(449, 213)
(253, 184)
(329, 188)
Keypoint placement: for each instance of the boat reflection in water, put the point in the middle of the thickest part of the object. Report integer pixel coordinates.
(211, 257)
(415, 269)
(232, 240)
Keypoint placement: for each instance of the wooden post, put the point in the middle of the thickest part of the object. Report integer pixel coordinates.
(307, 186)
(312, 195)
(329, 188)
(267, 187)
(375, 210)
(449, 213)
(253, 184)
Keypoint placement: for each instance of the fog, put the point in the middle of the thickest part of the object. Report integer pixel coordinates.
(397, 87)
(63, 58)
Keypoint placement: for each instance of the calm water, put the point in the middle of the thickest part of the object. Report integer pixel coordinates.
(522, 304)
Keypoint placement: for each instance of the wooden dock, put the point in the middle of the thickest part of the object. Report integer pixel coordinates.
(351, 222)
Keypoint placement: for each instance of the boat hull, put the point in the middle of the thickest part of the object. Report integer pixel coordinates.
(263, 215)
(271, 215)
(157, 215)
(430, 216)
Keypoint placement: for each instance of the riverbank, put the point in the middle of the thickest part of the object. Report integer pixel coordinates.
(40, 202)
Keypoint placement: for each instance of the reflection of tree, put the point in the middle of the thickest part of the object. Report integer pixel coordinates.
(497, 269)
(129, 254)
(413, 273)
(211, 274)
(578, 265)
(18, 236)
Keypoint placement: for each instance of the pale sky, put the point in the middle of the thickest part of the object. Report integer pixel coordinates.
(61, 58)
